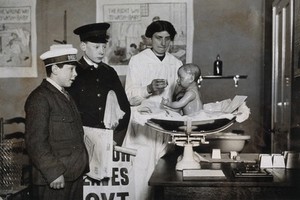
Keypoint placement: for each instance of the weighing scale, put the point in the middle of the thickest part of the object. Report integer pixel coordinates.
(189, 134)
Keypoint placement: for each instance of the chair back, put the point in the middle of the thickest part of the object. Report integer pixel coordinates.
(13, 156)
(12, 121)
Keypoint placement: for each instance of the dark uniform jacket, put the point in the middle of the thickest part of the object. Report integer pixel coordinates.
(90, 90)
(54, 136)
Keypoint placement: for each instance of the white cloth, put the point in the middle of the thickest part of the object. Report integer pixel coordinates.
(243, 113)
(99, 144)
(143, 68)
(211, 111)
(151, 145)
(113, 112)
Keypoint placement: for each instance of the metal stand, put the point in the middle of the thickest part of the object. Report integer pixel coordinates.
(189, 159)
(189, 139)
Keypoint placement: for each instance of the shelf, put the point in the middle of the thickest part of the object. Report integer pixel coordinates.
(235, 78)
(225, 77)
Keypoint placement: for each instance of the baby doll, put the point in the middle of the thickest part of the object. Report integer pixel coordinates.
(189, 101)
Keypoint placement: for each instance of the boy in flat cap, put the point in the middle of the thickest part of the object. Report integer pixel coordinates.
(53, 131)
(95, 79)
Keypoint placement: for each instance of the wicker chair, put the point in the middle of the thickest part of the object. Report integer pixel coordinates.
(15, 171)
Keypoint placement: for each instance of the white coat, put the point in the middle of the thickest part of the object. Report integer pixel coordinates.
(143, 68)
(150, 144)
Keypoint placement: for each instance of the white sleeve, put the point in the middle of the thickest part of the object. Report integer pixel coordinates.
(134, 89)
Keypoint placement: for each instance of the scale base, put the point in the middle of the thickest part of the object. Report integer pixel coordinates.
(189, 159)
(181, 165)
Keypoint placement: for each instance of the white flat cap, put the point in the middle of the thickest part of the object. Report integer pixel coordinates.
(59, 53)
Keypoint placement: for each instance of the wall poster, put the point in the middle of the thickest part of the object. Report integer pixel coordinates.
(18, 38)
(129, 20)
(120, 185)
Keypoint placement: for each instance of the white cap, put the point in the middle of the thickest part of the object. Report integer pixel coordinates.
(59, 53)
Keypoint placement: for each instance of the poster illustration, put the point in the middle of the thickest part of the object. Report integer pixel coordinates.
(17, 38)
(129, 20)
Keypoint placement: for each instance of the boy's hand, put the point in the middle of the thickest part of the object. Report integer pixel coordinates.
(58, 183)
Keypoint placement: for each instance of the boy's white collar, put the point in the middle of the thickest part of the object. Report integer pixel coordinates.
(89, 62)
(54, 83)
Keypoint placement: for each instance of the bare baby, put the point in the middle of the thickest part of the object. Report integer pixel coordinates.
(189, 101)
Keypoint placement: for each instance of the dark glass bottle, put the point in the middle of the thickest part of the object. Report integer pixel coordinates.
(218, 66)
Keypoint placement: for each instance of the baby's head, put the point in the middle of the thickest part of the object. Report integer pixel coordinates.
(187, 74)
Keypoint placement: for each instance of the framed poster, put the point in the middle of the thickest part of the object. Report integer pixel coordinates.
(17, 38)
(129, 20)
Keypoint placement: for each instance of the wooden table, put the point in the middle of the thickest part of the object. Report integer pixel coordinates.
(169, 184)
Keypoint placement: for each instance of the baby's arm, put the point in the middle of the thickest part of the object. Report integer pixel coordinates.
(187, 97)
(178, 93)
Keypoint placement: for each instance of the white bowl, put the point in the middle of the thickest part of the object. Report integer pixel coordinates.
(226, 142)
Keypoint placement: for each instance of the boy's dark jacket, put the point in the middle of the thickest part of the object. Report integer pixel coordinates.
(54, 136)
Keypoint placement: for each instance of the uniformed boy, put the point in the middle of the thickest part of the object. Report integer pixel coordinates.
(95, 79)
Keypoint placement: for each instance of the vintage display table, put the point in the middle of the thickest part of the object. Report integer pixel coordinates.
(168, 182)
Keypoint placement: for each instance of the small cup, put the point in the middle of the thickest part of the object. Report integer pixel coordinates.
(292, 160)
(216, 154)
(265, 161)
(278, 161)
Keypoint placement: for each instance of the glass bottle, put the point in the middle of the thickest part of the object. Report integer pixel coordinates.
(218, 66)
